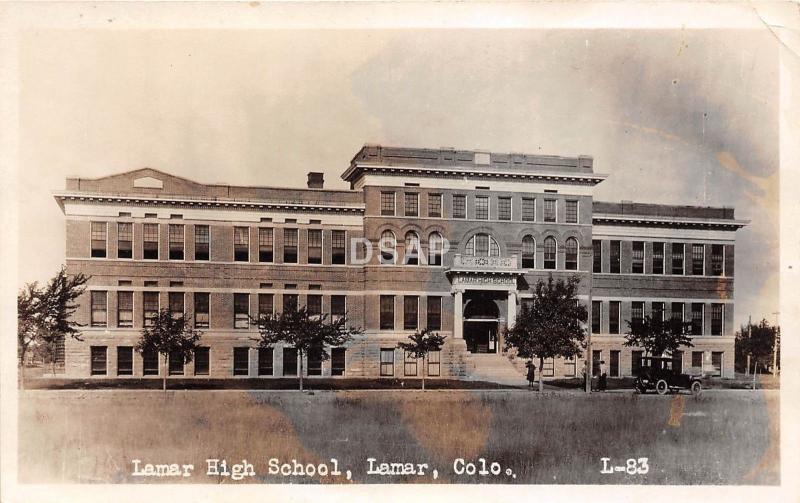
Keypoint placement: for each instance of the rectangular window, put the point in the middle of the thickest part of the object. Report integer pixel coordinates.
(266, 244)
(409, 364)
(658, 258)
(202, 239)
(434, 363)
(176, 242)
(434, 321)
(596, 316)
(314, 246)
(597, 255)
(548, 367)
(241, 361)
(241, 244)
(613, 317)
(596, 356)
(387, 312)
(482, 208)
(528, 209)
(124, 309)
(569, 367)
(636, 362)
(338, 247)
(290, 246)
(459, 206)
(150, 241)
(338, 306)
(289, 361)
(314, 305)
(201, 361)
(124, 360)
(677, 316)
(615, 254)
(124, 240)
(266, 305)
(315, 362)
(698, 260)
(241, 310)
(637, 259)
(98, 360)
(677, 258)
(150, 363)
(504, 208)
(613, 368)
(637, 312)
(717, 311)
(410, 312)
(99, 235)
(338, 361)
(265, 361)
(411, 201)
(175, 364)
(387, 362)
(176, 306)
(572, 212)
(549, 210)
(434, 205)
(150, 307)
(716, 363)
(201, 310)
(387, 204)
(99, 308)
(697, 360)
(697, 318)
(717, 260)
(290, 301)
(657, 314)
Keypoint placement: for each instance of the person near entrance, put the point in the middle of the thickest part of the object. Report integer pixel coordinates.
(602, 383)
(531, 373)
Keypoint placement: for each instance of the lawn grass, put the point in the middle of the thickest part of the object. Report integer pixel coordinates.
(723, 437)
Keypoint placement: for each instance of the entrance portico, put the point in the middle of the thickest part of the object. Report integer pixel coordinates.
(479, 285)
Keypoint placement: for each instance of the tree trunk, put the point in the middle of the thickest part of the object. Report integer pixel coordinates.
(747, 366)
(22, 367)
(423, 372)
(541, 384)
(755, 370)
(164, 377)
(300, 354)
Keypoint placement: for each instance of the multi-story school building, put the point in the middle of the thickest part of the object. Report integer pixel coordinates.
(451, 240)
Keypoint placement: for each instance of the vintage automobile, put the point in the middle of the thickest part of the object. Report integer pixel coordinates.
(656, 373)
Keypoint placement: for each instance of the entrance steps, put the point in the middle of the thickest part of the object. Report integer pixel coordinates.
(493, 367)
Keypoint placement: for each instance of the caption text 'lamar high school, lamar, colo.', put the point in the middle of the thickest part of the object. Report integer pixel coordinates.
(471, 232)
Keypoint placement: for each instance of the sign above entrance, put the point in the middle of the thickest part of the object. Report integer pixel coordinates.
(484, 263)
(484, 280)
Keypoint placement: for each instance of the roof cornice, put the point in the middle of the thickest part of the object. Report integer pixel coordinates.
(461, 171)
(188, 201)
(650, 221)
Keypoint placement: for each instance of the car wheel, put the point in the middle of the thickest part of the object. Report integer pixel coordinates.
(662, 387)
(696, 388)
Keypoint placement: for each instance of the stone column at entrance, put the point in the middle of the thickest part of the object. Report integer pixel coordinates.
(512, 308)
(458, 316)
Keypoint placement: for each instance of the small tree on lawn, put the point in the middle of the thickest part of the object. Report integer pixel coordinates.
(657, 337)
(553, 326)
(305, 332)
(757, 341)
(170, 335)
(44, 315)
(422, 343)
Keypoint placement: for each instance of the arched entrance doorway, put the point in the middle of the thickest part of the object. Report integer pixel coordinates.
(481, 317)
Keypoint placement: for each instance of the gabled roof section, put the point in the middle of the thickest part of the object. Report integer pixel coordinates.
(451, 162)
(151, 185)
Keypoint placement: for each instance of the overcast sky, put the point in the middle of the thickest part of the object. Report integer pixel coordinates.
(679, 117)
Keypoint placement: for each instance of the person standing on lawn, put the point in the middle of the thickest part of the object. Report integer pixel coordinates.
(602, 381)
(531, 373)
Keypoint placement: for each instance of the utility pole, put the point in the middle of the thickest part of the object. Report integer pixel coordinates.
(588, 362)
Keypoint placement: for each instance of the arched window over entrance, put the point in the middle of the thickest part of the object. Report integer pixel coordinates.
(549, 252)
(435, 246)
(571, 254)
(481, 308)
(528, 252)
(387, 245)
(482, 245)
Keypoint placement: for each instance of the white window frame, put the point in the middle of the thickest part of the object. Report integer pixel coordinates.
(234, 310)
(577, 211)
(510, 208)
(308, 247)
(92, 222)
(488, 208)
(169, 243)
(194, 322)
(405, 206)
(233, 249)
(133, 240)
(158, 241)
(133, 308)
(91, 309)
(194, 259)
